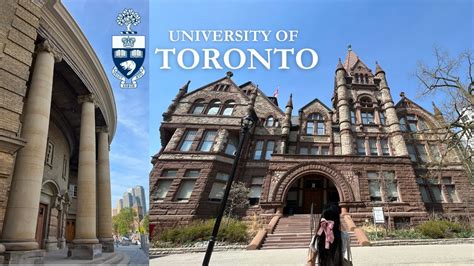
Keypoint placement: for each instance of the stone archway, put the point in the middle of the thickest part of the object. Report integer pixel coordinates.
(48, 201)
(282, 186)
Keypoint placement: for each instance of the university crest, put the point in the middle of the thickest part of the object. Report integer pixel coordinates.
(128, 51)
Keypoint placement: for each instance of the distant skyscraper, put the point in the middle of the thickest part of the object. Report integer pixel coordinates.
(119, 205)
(127, 200)
(139, 193)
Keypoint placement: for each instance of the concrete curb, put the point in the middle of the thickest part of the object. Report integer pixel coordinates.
(402, 242)
(167, 251)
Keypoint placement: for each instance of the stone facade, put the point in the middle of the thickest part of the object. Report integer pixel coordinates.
(363, 151)
(46, 66)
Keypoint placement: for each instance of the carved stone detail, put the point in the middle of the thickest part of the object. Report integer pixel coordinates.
(48, 46)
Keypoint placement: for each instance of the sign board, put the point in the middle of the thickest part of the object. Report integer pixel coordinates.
(378, 215)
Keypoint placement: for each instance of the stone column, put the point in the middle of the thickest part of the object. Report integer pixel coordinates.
(343, 108)
(21, 216)
(85, 243)
(391, 118)
(104, 195)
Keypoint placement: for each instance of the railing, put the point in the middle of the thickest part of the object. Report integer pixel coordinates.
(311, 221)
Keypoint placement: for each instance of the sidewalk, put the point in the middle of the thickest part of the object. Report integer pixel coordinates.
(135, 254)
(462, 254)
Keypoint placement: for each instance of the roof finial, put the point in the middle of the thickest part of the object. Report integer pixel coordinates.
(402, 94)
(349, 47)
(229, 74)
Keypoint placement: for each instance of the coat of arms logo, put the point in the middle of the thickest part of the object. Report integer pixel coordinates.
(128, 51)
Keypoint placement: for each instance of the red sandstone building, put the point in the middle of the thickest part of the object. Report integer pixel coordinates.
(361, 151)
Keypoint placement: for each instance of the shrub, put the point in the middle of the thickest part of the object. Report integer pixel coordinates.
(443, 229)
(230, 231)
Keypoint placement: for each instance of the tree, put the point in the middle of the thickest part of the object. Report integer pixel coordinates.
(144, 224)
(128, 17)
(453, 79)
(238, 198)
(123, 222)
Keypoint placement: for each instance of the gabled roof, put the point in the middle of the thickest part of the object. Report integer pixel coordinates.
(313, 101)
(228, 76)
(405, 99)
(352, 60)
(250, 83)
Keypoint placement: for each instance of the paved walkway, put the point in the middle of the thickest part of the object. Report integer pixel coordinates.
(462, 254)
(135, 254)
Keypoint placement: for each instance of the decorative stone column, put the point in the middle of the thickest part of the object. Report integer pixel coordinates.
(104, 194)
(85, 244)
(343, 108)
(391, 118)
(21, 216)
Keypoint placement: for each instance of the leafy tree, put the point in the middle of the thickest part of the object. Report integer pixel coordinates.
(238, 198)
(128, 17)
(123, 222)
(144, 224)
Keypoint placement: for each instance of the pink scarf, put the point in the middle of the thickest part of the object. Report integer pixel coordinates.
(326, 227)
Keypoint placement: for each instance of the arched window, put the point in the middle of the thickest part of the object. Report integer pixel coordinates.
(367, 111)
(214, 107)
(315, 125)
(356, 78)
(366, 102)
(228, 107)
(198, 107)
(270, 121)
(366, 79)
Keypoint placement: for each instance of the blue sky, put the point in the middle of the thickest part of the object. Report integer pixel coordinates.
(395, 33)
(129, 161)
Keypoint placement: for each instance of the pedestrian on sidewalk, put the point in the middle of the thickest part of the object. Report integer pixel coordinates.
(330, 246)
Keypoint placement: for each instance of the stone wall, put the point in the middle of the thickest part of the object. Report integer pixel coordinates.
(19, 21)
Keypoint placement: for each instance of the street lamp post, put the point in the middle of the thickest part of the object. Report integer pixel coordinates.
(247, 123)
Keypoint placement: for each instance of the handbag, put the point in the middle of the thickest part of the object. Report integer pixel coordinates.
(312, 256)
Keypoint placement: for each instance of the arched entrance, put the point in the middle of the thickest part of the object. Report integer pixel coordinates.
(310, 189)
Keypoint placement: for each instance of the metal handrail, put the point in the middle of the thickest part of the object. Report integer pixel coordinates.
(311, 221)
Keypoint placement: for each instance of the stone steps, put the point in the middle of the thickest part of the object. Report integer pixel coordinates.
(294, 232)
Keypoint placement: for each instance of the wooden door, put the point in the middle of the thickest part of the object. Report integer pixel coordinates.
(40, 224)
(312, 196)
(70, 230)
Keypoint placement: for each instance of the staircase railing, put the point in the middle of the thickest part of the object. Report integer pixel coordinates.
(311, 221)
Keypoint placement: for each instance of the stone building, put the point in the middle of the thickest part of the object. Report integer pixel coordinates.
(360, 151)
(57, 119)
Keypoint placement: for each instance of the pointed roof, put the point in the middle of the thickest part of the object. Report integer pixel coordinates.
(290, 101)
(339, 65)
(185, 87)
(378, 68)
(436, 111)
(316, 100)
(352, 59)
(405, 99)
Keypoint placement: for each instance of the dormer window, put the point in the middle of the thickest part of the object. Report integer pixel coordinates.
(214, 107)
(315, 124)
(228, 107)
(412, 123)
(270, 121)
(198, 107)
